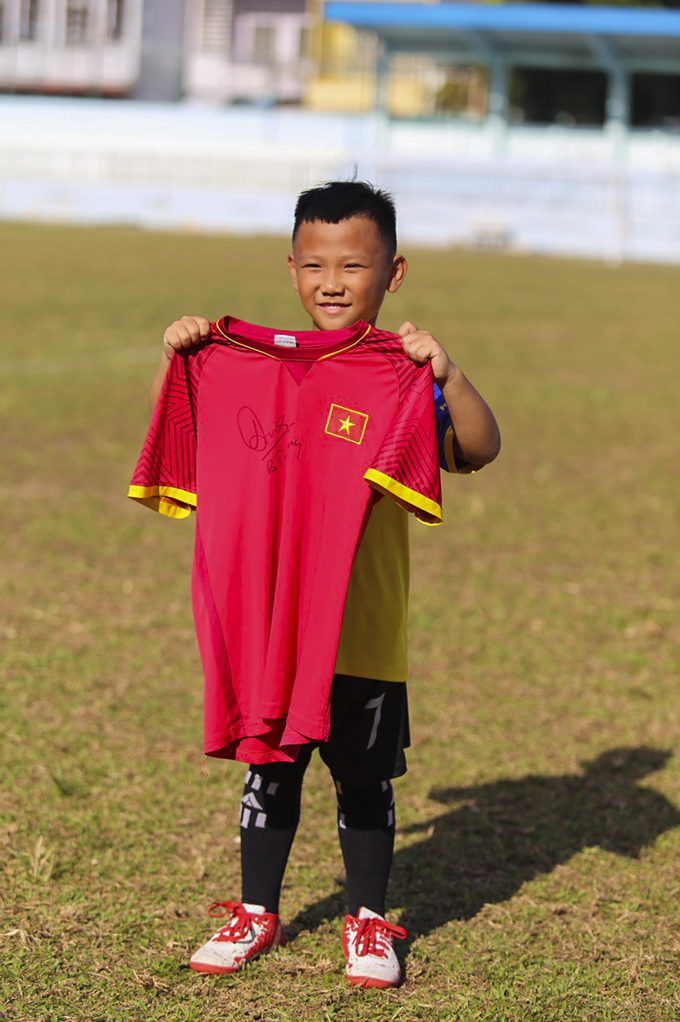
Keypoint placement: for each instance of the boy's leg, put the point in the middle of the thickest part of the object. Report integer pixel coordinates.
(365, 750)
(369, 732)
(270, 813)
(366, 829)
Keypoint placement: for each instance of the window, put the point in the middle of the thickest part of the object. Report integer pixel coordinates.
(655, 101)
(115, 18)
(557, 96)
(305, 42)
(263, 44)
(259, 39)
(77, 17)
(28, 20)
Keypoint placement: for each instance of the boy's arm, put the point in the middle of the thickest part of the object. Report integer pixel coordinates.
(477, 439)
(186, 332)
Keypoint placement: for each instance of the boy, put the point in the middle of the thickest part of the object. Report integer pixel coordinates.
(344, 261)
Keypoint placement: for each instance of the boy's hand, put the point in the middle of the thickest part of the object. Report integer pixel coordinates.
(422, 347)
(186, 332)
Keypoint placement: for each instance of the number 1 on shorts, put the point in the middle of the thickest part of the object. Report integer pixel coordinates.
(375, 704)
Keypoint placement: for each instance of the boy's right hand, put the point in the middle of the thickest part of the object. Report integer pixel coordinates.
(184, 333)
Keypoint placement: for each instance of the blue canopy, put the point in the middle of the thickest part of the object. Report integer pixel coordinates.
(523, 34)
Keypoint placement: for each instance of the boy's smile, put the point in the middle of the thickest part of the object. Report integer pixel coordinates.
(342, 271)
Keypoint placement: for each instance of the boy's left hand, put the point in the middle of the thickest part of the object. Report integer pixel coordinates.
(422, 347)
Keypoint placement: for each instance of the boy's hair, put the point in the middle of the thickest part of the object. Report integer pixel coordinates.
(344, 200)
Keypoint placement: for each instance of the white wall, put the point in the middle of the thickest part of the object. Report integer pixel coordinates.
(239, 170)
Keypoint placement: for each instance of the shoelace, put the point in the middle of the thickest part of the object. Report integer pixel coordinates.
(374, 936)
(238, 927)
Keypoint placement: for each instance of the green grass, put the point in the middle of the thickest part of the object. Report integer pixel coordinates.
(538, 845)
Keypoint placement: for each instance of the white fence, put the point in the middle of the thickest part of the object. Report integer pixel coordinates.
(232, 170)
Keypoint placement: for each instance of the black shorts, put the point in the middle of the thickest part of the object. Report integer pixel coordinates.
(369, 730)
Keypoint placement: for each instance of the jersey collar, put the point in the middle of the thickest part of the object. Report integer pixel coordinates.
(310, 345)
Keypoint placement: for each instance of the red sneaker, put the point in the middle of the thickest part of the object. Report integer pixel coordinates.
(367, 943)
(250, 932)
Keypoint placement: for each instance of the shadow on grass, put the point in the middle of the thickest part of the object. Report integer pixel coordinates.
(498, 836)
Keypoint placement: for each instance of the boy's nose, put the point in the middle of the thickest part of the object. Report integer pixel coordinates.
(332, 285)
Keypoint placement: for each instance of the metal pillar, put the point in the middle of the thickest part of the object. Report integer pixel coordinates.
(497, 116)
(617, 104)
(618, 110)
(483, 50)
(382, 70)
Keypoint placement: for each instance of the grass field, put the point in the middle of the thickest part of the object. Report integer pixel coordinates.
(537, 864)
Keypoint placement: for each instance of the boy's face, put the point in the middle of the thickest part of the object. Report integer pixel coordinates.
(343, 271)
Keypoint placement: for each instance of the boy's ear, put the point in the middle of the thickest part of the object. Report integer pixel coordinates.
(397, 273)
(292, 270)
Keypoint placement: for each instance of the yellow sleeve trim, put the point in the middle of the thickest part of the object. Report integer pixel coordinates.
(162, 499)
(451, 464)
(448, 450)
(425, 510)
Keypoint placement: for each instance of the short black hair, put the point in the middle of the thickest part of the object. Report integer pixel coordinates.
(343, 200)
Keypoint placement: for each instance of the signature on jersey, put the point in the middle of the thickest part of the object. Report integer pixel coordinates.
(273, 445)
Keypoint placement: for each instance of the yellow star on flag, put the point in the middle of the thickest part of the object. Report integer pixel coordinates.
(346, 424)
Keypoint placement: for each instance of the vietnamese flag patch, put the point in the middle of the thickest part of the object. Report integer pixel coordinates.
(347, 424)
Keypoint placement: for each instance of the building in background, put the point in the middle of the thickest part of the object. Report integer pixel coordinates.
(351, 71)
(529, 127)
(73, 47)
(429, 60)
(264, 52)
(247, 51)
(216, 51)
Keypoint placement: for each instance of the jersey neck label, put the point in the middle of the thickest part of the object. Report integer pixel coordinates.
(285, 341)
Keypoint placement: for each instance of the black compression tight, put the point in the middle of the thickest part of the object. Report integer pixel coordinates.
(270, 813)
(366, 830)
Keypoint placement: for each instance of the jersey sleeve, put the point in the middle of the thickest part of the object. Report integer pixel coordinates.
(165, 477)
(406, 466)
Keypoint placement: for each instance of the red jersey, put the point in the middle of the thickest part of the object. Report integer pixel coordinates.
(283, 441)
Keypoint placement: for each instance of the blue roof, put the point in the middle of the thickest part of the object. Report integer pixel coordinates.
(552, 18)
